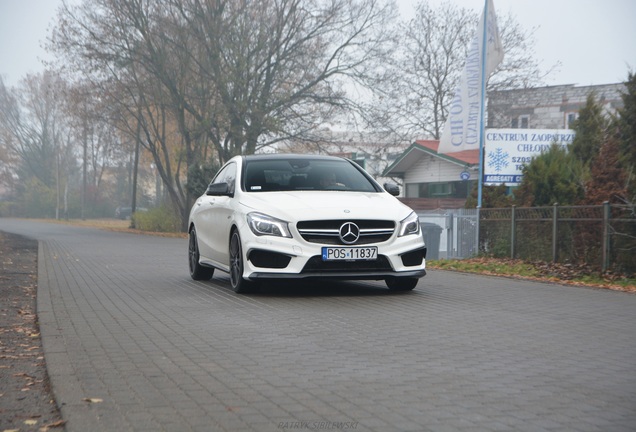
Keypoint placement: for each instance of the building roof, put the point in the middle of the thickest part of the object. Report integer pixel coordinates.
(419, 148)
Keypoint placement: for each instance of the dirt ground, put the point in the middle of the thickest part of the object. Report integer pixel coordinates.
(26, 401)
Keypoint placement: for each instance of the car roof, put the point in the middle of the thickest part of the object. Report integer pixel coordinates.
(279, 156)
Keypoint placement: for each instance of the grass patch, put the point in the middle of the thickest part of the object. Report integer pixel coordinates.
(487, 266)
(113, 225)
(549, 272)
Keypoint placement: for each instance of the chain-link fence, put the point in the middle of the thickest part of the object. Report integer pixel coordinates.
(602, 237)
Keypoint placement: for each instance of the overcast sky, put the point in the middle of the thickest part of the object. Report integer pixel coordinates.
(595, 40)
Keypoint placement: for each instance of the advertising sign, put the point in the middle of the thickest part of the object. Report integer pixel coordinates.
(506, 151)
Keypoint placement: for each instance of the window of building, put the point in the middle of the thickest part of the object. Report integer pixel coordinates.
(456, 189)
(570, 118)
(520, 122)
(412, 190)
(439, 189)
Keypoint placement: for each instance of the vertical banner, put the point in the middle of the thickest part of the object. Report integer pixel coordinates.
(464, 120)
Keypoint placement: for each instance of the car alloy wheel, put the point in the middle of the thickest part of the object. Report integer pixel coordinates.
(197, 271)
(239, 284)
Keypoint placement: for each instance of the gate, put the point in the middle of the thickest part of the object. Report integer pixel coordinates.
(450, 233)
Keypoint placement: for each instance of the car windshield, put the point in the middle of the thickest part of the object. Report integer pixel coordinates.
(304, 174)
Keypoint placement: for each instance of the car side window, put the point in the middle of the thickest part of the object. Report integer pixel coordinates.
(227, 175)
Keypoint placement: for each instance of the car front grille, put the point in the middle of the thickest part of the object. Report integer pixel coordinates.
(328, 231)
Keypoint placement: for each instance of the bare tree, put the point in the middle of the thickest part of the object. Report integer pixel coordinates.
(279, 67)
(99, 143)
(135, 54)
(34, 132)
(413, 91)
(236, 75)
(29, 119)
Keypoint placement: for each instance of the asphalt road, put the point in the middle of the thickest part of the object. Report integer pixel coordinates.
(132, 343)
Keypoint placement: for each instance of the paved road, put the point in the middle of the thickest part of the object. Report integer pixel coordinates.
(121, 321)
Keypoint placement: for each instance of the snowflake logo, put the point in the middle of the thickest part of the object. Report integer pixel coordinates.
(498, 159)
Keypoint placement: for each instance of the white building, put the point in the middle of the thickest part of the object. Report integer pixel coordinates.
(432, 180)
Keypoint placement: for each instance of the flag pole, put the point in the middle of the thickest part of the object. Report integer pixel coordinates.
(484, 47)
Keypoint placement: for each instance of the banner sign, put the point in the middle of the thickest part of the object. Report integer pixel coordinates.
(463, 125)
(506, 151)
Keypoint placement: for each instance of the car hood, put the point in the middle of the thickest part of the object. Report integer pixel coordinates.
(303, 205)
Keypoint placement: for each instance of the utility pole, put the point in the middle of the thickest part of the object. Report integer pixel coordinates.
(84, 158)
(133, 206)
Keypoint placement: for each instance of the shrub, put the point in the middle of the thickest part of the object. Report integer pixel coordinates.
(10, 209)
(161, 219)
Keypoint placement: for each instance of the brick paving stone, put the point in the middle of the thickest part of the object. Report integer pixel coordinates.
(121, 319)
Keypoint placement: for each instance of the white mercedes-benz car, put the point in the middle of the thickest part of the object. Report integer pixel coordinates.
(281, 216)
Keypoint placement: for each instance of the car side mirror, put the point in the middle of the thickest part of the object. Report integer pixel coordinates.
(392, 188)
(218, 189)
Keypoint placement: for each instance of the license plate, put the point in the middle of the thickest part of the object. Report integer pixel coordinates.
(349, 253)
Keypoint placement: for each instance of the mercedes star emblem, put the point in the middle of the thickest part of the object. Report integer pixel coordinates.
(349, 233)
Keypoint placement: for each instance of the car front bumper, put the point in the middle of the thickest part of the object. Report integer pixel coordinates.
(269, 257)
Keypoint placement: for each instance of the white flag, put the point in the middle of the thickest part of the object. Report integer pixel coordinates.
(463, 124)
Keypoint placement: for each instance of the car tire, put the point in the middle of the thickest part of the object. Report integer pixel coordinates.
(197, 271)
(401, 283)
(238, 283)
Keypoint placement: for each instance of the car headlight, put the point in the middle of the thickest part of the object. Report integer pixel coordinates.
(410, 225)
(261, 225)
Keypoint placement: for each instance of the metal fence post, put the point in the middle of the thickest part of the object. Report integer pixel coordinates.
(606, 237)
(513, 230)
(555, 219)
(450, 227)
(477, 233)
